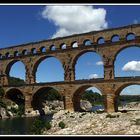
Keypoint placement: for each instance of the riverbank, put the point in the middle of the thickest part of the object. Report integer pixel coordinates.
(89, 123)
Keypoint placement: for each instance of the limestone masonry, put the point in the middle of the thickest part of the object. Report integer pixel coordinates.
(32, 54)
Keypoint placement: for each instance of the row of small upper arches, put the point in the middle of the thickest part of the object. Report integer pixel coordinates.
(87, 42)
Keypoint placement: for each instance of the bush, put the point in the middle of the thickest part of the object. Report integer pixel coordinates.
(1, 92)
(48, 125)
(2, 104)
(37, 126)
(62, 125)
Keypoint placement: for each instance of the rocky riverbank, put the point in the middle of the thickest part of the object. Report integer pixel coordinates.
(89, 123)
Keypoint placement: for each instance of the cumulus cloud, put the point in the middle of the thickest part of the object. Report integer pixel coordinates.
(93, 76)
(75, 19)
(99, 63)
(132, 66)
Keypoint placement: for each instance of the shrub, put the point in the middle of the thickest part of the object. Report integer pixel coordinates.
(2, 104)
(62, 125)
(1, 92)
(37, 126)
(48, 125)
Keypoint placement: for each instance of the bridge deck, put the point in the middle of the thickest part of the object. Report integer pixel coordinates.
(98, 80)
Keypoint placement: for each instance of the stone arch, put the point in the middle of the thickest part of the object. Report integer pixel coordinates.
(24, 52)
(0, 56)
(7, 55)
(16, 95)
(52, 48)
(77, 95)
(10, 64)
(83, 52)
(33, 50)
(115, 38)
(63, 46)
(87, 42)
(123, 48)
(100, 40)
(74, 44)
(43, 49)
(120, 89)
(39, 97)
(130, 36)
(16, 53)
(41, 59)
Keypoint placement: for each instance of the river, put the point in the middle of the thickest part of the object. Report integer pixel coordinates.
(22, 126)
(19, 126)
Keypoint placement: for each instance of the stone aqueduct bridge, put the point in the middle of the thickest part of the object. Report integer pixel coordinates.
(71, 88)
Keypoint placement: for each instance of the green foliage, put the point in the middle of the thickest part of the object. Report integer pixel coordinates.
(15, 81)
(62, 125)
(48, 125)
(19, 111)
(1, 92)
(53, 95)
(128, 98)
(2, 104)
(93, 97)
(39, 125)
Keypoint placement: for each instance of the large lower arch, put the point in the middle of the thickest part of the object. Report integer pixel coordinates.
(125, 61)
(16, 69)
(17, 97)
(88, 65)
(42, 95)
(78, 94)
(127, 94)
(48, 69)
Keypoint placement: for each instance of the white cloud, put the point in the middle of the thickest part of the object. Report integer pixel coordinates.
(75, 19)
(135, 21)
(132, 66)
(93, 76)
(99, 63)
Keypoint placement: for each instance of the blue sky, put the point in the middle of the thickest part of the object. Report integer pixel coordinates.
(23, 24)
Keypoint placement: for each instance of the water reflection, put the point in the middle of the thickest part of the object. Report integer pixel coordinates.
(20, 126)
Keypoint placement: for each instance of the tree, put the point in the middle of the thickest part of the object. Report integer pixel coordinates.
(15, 81)
(1, 92)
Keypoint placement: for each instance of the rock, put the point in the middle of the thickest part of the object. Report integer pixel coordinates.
(3, 113)
(85, 105)
(32, 113)
(10, 114)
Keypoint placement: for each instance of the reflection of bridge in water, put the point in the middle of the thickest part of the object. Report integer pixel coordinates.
(31, 55)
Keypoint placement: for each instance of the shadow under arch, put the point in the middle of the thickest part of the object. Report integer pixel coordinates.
(77, 96)
(40, 96)
(16, 96)
(38, 62)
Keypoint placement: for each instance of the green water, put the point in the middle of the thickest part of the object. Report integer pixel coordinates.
(19, 126)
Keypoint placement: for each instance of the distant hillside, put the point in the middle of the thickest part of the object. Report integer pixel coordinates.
(129, 98)
(16, 81)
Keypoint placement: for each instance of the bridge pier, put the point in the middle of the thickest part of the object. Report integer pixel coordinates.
(28, 106)
(68, 103)
(110, 103)
(4, 80)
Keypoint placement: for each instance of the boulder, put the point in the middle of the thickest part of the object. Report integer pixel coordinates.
(86, 105)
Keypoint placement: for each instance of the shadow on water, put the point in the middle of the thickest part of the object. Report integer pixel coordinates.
(20, 126)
